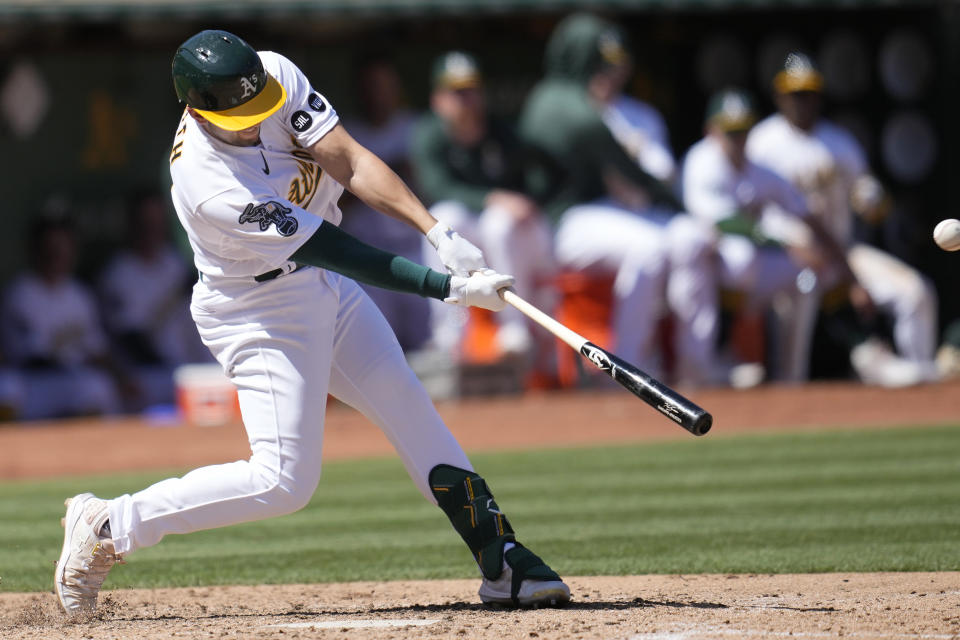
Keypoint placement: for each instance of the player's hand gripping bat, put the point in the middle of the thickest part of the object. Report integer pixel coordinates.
(659, 396)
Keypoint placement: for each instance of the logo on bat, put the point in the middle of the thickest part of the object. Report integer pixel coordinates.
(597, 357)
(670, 411)
(268, 213)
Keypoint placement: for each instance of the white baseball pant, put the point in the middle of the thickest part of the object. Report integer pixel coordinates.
(286, 343)
(759, 272)
(900, 290)
(656, 258)
(895, 288)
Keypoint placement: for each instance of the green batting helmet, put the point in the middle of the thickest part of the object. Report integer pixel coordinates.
(222, 77)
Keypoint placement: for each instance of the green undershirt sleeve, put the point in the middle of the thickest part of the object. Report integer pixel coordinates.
(332, 248)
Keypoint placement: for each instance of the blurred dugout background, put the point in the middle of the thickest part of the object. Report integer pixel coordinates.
(87, 109)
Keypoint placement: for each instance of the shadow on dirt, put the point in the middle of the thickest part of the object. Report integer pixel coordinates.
(447, 607)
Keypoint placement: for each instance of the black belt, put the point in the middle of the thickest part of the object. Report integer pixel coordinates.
(270, 275)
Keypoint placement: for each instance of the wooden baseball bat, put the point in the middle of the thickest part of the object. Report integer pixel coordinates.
(656, 394)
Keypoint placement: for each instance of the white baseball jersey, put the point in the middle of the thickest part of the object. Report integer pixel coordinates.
(247, 209)
(823, 163)
(713, 189)
(59, 322)
(640, 129)
(148, 296)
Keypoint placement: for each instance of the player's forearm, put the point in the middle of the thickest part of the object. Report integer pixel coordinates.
(332, 248)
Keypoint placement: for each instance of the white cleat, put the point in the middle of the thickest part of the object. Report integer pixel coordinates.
(86, 557)
(532, 593)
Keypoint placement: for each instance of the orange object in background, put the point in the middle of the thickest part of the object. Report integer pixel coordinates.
(585, 306)
(205, 396)
(479, 343)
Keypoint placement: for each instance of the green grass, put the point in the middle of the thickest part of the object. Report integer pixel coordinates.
(810, 502)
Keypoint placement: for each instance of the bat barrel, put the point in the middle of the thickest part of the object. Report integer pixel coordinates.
(701, 423)
(662, 398)
(659, 396)
(678, 408)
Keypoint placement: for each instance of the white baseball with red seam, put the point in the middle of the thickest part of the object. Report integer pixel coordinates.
(947, 234)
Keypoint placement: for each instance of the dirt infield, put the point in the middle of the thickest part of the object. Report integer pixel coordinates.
(904, 605)
(898, 605)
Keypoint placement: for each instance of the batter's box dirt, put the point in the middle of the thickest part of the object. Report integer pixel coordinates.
(872, 605)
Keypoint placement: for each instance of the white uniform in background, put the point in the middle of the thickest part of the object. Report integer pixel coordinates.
(714, 190)
(148, 298)
(641, 130)
(58, 325)
(523, 250)
(824, 164)
(662, 262)
(286, 341)
(408, 315)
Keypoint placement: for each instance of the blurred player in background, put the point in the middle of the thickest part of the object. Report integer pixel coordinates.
(144, 291)
(53, 335)
(636, 125)
(722, 187)
(385, 126)
(611, 216)
(472, 168)
(827, 164)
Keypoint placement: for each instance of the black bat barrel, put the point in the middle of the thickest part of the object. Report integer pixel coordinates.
(658, 395)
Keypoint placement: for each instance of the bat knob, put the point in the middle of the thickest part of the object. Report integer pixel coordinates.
(702, 424)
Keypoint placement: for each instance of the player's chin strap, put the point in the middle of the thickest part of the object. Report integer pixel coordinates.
(464, 497)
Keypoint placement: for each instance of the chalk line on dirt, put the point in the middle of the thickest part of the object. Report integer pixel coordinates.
(354, 624)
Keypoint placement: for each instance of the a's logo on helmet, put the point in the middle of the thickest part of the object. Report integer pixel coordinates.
(301, 121)
(271, 212)
(316, 103)
(249, 86)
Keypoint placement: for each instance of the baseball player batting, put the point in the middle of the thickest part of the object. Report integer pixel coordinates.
(258, 163)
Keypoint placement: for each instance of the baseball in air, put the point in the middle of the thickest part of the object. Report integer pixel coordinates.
(947, 234)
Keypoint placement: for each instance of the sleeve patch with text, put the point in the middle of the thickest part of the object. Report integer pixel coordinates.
(301, 121)
(316, 103)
